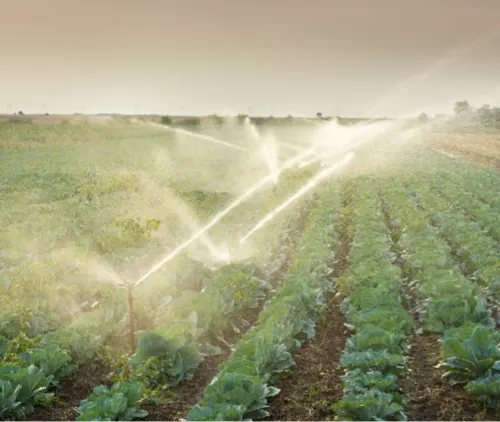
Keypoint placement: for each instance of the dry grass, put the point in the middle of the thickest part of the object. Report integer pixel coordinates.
(481, 148)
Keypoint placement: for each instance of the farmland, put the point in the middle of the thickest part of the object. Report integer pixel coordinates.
(374, 296)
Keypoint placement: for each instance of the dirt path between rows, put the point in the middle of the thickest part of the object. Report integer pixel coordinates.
(315, 384)
(308, 393)
(186, 394)
(428, 397)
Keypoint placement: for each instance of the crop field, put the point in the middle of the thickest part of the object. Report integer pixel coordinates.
(283, 269)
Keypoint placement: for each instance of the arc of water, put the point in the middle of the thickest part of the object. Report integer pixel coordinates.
(302, 191)
(200, 136)
(292, 146)
(221, 214)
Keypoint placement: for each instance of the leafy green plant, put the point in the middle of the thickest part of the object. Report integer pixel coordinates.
(486, 390)
(81, 342)
(360, 381)
(10, 407)
(373, 361)
(392, 319)
(119, 403)
(372, 405)
(22, 389)
(371, 337)
(12, 349)
(167, 361)
(10, 325)
(270, 357)
(476, 357)
(240, 390)
(455, 310)
(52, 361)
(219, 412)
(124, 233)
(464, 332)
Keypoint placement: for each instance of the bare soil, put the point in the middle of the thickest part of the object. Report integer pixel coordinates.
(187, 394)
(428, 397)
(314, 384)
(480, 148)
(69, 395)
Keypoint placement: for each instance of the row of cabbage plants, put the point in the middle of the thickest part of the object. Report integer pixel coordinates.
(450, 303)
(481, 182)
(477, 253)
(28, 378)
(374, 357)
(241, 389)
(463, 199)
(193, 326)
(446, 297)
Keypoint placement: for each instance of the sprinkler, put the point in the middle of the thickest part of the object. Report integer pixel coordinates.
(131, 316)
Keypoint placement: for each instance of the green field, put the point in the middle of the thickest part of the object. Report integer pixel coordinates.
(372, 297)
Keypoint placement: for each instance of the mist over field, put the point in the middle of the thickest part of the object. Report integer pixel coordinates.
(218, 211)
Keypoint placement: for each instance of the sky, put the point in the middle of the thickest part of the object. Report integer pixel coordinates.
(363, 58)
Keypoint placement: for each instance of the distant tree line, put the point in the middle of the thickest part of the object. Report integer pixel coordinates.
(484, 115)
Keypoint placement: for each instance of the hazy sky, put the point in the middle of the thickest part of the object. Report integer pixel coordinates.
(349, 57)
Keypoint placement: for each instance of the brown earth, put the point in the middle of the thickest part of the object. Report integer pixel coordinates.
(187, 394)
(69, 395)
(480, 148)
(314, 384)
(179, 399)
(428, 397)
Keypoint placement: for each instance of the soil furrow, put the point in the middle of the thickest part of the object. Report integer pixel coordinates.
(429, 398)
(422, 387)
(180, 398)
(190, 393)
(314, 384)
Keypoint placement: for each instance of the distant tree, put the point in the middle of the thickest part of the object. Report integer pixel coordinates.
(485, 115)
(495, 115)
(462, 108)
(319, 115)
(20, 113)
(422, 117)
(289, 117)
(166, 120)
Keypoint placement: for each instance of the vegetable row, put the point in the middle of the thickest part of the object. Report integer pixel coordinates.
(242, 387)
(199, 324)
(450, 303)
(27, 377)
(373, 307)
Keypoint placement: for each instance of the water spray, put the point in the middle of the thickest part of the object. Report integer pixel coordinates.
(200, 136)
(221, 214)
(302, 191)
(292, 146)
